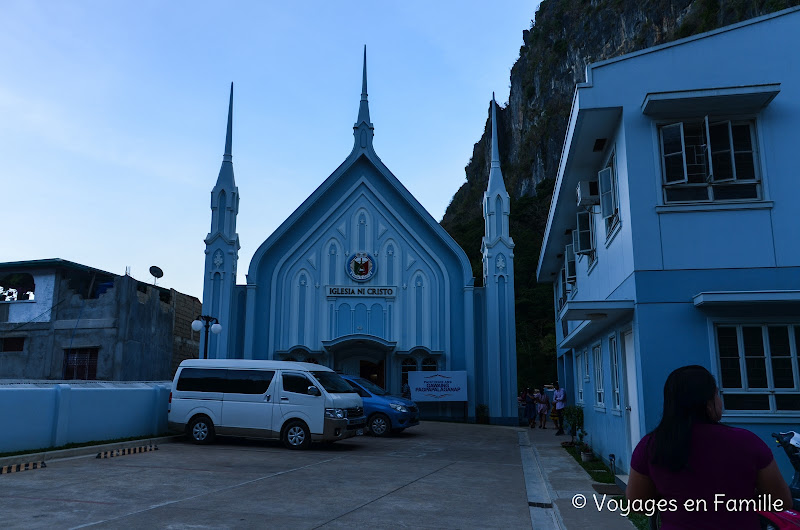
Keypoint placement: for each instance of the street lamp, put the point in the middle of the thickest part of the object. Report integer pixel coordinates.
(206, 321)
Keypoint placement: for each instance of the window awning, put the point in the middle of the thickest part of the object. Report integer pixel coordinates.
(709, 101)
(732, 298)
(596, 316)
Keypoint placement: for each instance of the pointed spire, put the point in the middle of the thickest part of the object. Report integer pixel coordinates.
(495, 150)
(363, 109)
(495, 175)
(229, 136)
(225, 179)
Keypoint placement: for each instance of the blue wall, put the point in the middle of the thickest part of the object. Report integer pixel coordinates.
(38, 418)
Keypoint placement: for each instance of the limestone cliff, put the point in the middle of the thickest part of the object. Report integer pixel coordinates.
(566, 36)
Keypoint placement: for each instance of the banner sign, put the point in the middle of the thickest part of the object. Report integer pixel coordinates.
(349, 290)
(438, 386)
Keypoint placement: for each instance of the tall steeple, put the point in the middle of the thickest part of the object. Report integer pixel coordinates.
(363, 129)
(225, 178)
(496, 183)
(496, 202)
(222, 249)
(497, 249)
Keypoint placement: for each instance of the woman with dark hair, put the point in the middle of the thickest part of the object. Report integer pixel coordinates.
(696, 464)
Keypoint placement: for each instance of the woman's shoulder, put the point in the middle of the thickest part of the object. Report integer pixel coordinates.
(732, 435)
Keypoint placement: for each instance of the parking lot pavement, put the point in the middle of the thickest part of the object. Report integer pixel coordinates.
(436, 475)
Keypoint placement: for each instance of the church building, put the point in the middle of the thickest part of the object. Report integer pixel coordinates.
(361, 278)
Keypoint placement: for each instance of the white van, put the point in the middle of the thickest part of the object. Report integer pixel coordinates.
(290, 401)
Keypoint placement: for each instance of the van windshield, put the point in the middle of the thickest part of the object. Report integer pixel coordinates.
(333, 383)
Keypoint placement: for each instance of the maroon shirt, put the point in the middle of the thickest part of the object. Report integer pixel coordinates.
(722, 460)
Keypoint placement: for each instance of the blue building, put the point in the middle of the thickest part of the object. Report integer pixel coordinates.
(672, 237)
(362, 279)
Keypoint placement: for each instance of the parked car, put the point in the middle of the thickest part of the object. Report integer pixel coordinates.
(288, 401)
(385, 413)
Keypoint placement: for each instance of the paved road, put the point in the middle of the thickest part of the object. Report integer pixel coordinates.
(436, 475)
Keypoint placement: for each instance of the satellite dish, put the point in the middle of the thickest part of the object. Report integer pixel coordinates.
(156, 272)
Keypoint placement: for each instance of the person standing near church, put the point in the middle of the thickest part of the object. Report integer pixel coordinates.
(560, 399)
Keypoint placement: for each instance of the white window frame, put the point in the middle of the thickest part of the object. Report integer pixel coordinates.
(585, 235)
(609, 193)
(579, 377)
(711, 181)
(770, 391)
(564, 289)
(569, 264)
(613, 351)
(599, 390)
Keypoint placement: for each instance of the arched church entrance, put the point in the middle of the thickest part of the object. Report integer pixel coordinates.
(373, 372)
(362, 356)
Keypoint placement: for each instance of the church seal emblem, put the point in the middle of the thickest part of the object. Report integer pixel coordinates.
(361, 267)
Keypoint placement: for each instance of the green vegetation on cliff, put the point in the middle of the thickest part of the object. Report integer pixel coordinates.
(567, 36)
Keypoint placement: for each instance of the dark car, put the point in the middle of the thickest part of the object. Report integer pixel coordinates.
(385, 413)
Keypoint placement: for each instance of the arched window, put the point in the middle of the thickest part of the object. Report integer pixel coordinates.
(221, 207)
(362, 232)
(332, 264)
(429, 364)
(408, 365)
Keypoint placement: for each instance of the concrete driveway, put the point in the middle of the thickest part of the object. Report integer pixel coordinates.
(436, 475)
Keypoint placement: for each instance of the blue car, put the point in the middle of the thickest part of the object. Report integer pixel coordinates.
(385, 413)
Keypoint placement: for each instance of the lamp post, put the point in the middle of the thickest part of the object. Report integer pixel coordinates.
(207, 322)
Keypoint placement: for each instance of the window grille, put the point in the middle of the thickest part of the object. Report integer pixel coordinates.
(80, 363)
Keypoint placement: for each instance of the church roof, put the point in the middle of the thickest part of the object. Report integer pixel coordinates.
(363, 132)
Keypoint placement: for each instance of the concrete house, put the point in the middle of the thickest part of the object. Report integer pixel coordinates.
(361, 278)
(673, 238)
(61, 320)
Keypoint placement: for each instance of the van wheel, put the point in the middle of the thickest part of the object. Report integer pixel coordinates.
(380, 425)
(296, 435)
(201, 430)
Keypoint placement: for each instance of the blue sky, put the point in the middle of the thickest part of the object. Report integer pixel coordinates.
(113, 115)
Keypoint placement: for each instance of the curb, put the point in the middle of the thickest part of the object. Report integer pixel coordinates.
(127, 451)
(21, 467)
(46, 456)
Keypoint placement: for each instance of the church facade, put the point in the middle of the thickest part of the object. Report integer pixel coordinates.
(361, 278)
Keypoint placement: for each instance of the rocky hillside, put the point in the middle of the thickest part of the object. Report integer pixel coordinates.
(567, 35)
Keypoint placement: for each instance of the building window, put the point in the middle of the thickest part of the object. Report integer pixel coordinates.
(408, 365)
(614, 352)
(564, 289)
(609, 195)
(569, 263)
(17, 286)
(599, 394)
(579, 378)
(585, 365)
(80, 363)
(429, 364)
(583, 241)
(758, 367)
(12, 344)
(709, 160)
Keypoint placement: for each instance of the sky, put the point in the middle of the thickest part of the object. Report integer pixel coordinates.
(113, 115)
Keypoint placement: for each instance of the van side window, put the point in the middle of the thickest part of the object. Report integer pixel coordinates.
(249, 381)
(296, 383)
(202, 380)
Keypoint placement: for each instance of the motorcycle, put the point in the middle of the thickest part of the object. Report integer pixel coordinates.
(789, 518)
